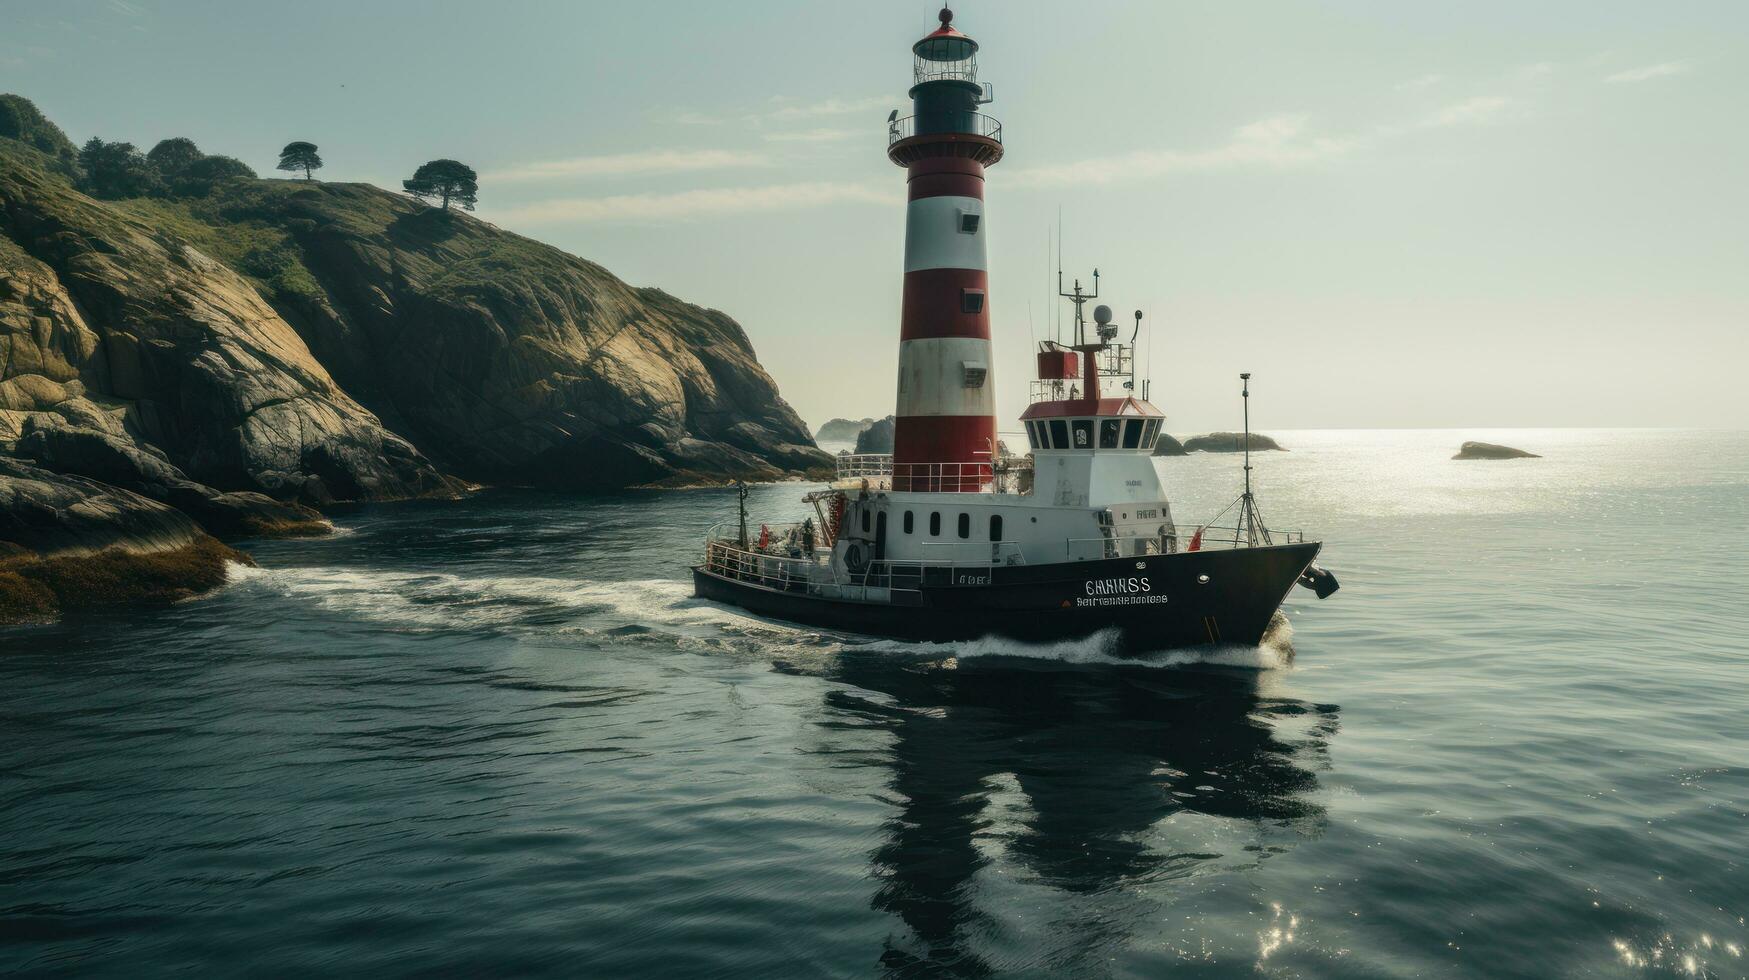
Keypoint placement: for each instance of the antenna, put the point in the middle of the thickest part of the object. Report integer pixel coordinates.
(1250, 520)
(741, 494)
(1245, 399)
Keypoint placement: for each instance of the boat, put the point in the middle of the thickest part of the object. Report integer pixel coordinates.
(951, 537)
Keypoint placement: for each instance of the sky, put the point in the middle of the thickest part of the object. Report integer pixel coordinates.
(1394, 214)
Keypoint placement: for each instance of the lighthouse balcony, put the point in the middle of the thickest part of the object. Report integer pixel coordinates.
(944, 123)
(951, 134)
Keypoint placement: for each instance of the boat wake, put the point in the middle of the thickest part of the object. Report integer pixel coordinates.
(434, 602)
(665, 612)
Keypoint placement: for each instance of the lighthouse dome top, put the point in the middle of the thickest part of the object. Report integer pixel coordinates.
(945, 43)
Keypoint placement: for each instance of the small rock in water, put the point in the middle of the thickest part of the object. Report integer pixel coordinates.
(1230, 442)
(1168, 445)
(1488, 450)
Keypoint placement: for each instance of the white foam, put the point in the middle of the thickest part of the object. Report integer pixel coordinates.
(1102, 648)
(436, 601)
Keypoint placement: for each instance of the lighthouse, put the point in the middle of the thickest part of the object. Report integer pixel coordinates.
(944, 437)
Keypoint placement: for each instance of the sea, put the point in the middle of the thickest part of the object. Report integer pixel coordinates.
(499, 737)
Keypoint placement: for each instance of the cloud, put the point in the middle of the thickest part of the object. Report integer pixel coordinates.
(781, 109)
(820, 135)
(1279, 141)
(1416, 84)
(628, 164)
(702, 203)
(830, 107)
(1664, 70)
(1469, 112)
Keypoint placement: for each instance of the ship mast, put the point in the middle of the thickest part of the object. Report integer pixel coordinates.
(1250, 519)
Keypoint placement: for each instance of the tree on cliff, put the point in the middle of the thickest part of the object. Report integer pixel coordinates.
(300, 156)
(173, 156)
(446, 180)
(199, 177)
(20, 120)
(115, 170)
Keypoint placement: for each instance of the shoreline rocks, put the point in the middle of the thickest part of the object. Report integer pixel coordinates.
(70, 543)
(877, 438)
(1489, 450)
(1168, 445)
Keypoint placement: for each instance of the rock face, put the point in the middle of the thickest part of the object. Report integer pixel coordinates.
(1488, 450)
(252, 349)
(841, 430)
(67, 542)
(368, 325)
(1230, 442)
(1168, 445)
(877, 438)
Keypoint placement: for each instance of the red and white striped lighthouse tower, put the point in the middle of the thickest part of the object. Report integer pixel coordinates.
(945, 431)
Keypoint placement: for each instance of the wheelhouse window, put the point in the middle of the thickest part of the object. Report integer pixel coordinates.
(1083, 433)
(1032, 434)
(1059, 434)
(908, 522)
(1132, 433)
(935, 524)
(1153, 433)
(1108, 432)
(965, 525)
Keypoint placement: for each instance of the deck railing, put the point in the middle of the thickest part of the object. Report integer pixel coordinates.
(856, 466)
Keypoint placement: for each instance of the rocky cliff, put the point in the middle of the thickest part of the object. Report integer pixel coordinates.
(842, 430)
(253, 349)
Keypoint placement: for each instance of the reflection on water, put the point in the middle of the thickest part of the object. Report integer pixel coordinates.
(1106, 763)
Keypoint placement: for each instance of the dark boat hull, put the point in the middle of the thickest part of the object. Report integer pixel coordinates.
(1156, 602)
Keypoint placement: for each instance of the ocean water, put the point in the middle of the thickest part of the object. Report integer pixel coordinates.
(499, 737)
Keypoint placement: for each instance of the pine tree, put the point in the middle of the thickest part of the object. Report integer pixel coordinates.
(300, 156)
(446, 180)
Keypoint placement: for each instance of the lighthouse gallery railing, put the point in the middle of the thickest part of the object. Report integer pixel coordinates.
(931, 124)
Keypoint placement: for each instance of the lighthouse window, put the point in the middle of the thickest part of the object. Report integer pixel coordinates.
(971, 301)
(935, 524)
(1132, 433)
(908, 522)
(995, 527)
(1108, 432)
(969, 223)
(1059, 434)
(1083, 433)
(965, 525)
